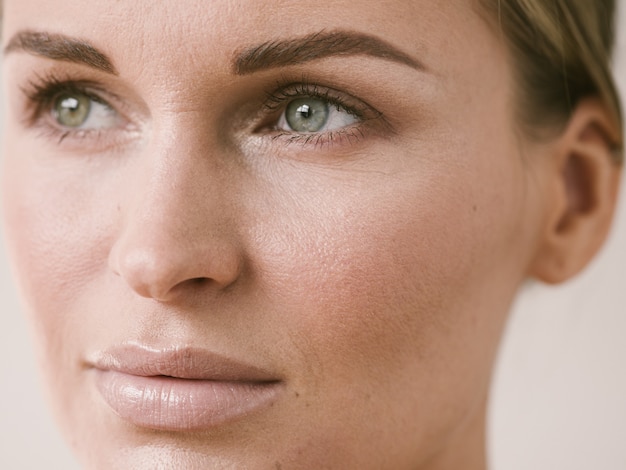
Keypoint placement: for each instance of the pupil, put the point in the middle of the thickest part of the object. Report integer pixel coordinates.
(307, 114)
(70, 104)
(305, 111)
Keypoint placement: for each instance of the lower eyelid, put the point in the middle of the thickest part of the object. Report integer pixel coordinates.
(349, 135)
(90, 140)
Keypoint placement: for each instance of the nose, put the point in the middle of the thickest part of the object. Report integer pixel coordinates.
(178, 231)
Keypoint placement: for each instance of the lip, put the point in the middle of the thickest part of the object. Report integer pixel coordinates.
(180, 389)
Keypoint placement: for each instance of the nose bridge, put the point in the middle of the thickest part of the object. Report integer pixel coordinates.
(177, 222)
(184, 180)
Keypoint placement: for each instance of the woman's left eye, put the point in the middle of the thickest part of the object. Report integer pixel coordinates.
(309, 115)
(78, 111)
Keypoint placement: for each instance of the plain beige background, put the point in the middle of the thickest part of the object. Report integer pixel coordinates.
(559, 400)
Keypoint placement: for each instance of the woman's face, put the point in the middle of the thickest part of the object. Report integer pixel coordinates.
(258, 234)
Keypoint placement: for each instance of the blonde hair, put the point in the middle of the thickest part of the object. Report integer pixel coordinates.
(561, 51)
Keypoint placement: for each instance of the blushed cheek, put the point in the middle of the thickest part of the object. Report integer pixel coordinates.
(368, 281)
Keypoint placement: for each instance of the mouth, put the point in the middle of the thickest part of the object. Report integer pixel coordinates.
(181, 389)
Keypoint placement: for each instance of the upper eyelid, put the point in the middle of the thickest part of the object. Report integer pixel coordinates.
(48, 85)
(42, 87)
(303, 89)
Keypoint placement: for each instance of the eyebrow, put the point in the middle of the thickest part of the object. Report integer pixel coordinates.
(270, 54)
(60, 47)
(280, 53)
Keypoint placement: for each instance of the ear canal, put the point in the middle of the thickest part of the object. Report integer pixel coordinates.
(580, 197)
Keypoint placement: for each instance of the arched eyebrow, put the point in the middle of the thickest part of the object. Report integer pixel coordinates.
(60, 47)
(280, 53)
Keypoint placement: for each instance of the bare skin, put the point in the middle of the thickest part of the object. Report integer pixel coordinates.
(369, 266)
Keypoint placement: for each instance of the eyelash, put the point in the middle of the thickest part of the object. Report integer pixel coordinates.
(42, 93)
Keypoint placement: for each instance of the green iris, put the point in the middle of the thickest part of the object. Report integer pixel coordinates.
(307, 114)
(72, 110)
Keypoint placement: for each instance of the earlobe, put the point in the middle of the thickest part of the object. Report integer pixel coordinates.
(581, 193)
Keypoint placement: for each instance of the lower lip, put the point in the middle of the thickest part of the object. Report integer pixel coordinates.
(173, 404)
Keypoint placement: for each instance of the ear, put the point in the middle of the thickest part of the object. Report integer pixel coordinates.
(581, 193)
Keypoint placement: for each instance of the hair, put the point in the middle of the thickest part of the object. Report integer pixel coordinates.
(561, 52)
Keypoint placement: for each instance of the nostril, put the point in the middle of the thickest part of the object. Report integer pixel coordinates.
(199, 281)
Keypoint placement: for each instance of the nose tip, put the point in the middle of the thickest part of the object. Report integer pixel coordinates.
(143, 273)
(164, 274)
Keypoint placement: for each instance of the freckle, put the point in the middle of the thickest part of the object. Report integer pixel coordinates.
(278, 466)
(474, 208)
(297, 394)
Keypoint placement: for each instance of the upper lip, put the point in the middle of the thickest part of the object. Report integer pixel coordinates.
(178, 362)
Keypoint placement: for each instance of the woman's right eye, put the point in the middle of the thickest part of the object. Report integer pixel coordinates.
(78, 111)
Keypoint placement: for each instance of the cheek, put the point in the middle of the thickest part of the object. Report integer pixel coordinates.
(391, 248)
(58, 230)
(362, 277)
(393, 298)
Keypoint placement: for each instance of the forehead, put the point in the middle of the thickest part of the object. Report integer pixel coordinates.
(147, 32)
